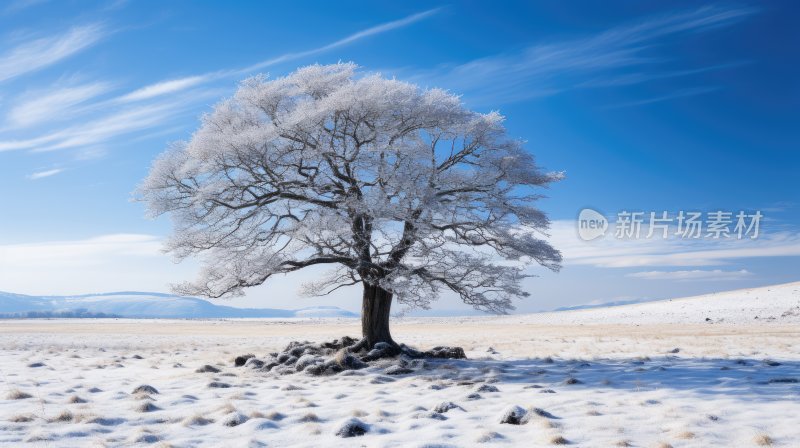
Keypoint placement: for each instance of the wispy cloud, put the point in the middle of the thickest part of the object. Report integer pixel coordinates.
(39, 53)
(19, 5)
(549, 68)
(164, 88)
(29, 143)
(42, 174)
(610, 252)
(360, 35)
(114, 124)
(120, 123)
(87, 251)
(175, 85)
(174, 97)
(638, 77)
(693, 275)
(680, 93)
(38, 107)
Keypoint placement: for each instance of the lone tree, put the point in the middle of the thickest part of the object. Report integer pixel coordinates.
(396, 188)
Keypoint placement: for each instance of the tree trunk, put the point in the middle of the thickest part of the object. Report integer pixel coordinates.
(375, 307)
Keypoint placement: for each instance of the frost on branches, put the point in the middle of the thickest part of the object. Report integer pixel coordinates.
(398, 188)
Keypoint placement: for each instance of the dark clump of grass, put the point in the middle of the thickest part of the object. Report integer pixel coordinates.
(275, 416)
(22, 418)
(64, 416)
(147, 406)
(145, 389)
(76, 399)
(309, 417)
(17, 394)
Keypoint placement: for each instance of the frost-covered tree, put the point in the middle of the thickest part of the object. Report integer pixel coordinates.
(399, 189)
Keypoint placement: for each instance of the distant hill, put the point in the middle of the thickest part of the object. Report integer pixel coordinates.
(142, 305)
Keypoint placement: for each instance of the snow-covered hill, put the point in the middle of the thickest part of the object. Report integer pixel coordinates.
(144, 305)
(776, 303)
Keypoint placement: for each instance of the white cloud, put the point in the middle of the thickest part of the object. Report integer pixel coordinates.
(157, 115)
(52, 104)
(388, 26)
(19, 5)
(360, 35)
(627, 79)
(610, 252)
(164, 87)
(98, 264)
(113, 124)
(86, 252)
(680, 93)
(116, 124)
(175, 85)
(696, 274)
(12, 145)
(43, 174)
(39, 53)
(549, 68)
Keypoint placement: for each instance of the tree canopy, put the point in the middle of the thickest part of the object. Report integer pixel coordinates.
(388, 184)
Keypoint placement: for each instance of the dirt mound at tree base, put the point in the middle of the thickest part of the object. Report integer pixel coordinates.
(346, 353)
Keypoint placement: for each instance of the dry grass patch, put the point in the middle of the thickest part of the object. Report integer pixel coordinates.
(227, 408)
(146, 406)
(275, 416)
(22, 418)
(17, 394)
(548, 424)
(381, 413)
(83, 417)
(309, 418)
(763, 440)
(197, 420)
(64, 416)
(76, 399)
(39, 437)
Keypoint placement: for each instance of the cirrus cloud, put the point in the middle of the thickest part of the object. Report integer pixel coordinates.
(39, 53)
(695, 274)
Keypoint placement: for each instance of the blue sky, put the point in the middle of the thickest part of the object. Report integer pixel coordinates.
(646, 106)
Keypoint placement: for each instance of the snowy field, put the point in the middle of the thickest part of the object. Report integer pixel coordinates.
(649, 375)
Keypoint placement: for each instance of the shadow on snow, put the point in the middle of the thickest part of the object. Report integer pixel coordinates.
(758, 379)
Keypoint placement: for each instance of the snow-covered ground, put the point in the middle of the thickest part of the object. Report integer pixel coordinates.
(655, 374)
(776, 304)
